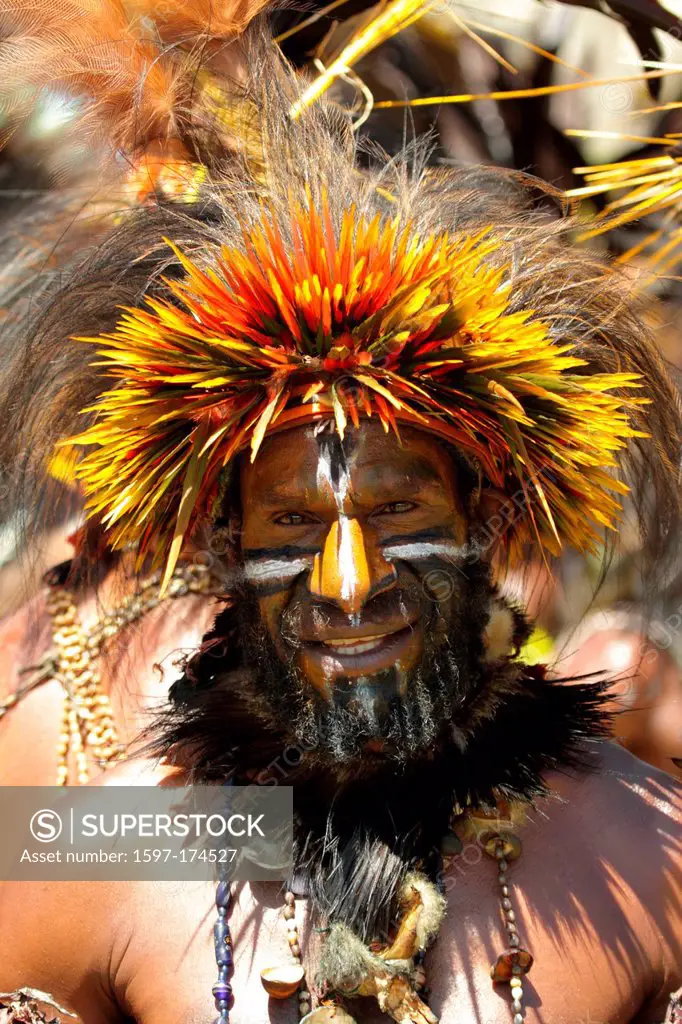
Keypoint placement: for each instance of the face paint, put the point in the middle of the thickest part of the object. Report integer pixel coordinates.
(419, 551)
(340, 573)
(340, 537)
(396, 712)
(273, 570)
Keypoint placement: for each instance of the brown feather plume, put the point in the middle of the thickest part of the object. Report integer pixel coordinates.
(180, 20)
(133, 65)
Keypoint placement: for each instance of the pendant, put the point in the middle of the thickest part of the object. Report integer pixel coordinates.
(281, 982)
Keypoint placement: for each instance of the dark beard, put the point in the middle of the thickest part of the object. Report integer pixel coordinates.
(467, 732)
(406, 715)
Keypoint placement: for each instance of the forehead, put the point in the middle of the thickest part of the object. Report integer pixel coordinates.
(302, 463)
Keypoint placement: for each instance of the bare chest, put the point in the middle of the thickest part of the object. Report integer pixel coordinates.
(580, 975)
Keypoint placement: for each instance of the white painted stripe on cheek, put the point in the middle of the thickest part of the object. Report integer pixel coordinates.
(276, 569)
(417, 550)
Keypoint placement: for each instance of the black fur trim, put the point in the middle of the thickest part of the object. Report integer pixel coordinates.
(357, 836)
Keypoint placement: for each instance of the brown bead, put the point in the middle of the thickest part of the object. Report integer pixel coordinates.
(503, 968)
(289, 913)
(507, 842)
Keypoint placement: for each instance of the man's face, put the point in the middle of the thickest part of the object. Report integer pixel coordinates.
(340, 543)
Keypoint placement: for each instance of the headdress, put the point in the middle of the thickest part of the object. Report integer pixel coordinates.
(369, 319)
(301, 305)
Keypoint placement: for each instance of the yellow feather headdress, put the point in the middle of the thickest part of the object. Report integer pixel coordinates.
(366, 319)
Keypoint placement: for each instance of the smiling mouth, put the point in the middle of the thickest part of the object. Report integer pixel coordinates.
(361, 655)
(359, 645)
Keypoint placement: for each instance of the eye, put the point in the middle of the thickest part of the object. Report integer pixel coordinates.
(293, 519)
(394, 508)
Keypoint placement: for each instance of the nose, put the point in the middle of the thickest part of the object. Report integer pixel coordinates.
(349, 572)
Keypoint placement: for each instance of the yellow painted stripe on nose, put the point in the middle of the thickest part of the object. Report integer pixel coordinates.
(341, 573)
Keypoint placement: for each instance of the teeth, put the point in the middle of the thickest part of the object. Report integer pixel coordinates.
(368, 643)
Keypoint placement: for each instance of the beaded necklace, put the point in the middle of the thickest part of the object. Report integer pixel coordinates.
(499, 843)
(89, 737)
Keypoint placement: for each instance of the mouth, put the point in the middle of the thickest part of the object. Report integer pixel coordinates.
(358, 645)
(353, 656)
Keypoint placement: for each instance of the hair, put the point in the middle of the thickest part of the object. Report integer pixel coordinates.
(104, 254)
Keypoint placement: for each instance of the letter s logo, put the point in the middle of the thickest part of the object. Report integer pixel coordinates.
(46, 826)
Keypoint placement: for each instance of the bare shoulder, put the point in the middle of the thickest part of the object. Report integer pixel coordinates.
(24, 639)
(622, 823)
(57, 938)
(29, 731)
(92, 924)
(623, 790)
(626, 812)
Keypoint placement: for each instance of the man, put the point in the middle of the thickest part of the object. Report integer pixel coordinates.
(594, 896)
(367, 401)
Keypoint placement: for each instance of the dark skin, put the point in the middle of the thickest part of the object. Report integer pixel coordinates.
(391, 496)
(596, 889)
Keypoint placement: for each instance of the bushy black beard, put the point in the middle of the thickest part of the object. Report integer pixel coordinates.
(406, 715)
(469, 732)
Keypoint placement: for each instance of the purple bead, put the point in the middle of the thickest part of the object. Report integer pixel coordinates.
(221, 937)
(223, 956)
(222, 895)
(222, 991)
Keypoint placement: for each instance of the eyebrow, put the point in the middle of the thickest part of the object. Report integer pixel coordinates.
(277, 498)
